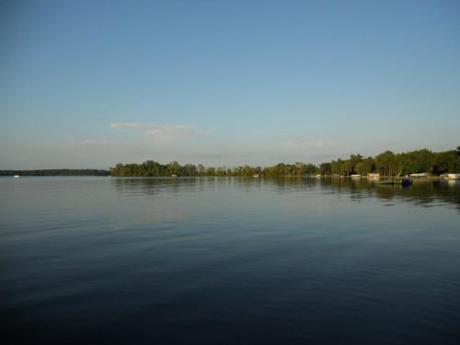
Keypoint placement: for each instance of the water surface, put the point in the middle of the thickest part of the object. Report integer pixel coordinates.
(228, 261)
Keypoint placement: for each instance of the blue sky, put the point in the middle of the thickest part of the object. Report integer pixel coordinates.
(92, 83)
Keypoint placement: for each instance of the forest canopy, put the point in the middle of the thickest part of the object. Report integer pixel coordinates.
(385, 163)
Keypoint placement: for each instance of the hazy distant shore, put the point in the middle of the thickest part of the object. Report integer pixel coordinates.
(56, 172)
(420, 164)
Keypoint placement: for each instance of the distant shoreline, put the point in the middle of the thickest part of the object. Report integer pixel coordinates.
(56, 172)
(420, 163)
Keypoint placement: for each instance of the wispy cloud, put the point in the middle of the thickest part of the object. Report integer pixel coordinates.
(91, 141)
(300, 143)
(163, 133)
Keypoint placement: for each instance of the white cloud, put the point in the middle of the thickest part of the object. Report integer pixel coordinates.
(163, 133)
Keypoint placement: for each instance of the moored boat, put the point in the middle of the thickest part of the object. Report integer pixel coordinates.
(406, 182)
(453, 176)
(373, 176)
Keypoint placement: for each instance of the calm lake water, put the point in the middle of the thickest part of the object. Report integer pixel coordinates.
(228, 261)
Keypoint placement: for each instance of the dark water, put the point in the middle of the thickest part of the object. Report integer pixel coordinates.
(228, 261)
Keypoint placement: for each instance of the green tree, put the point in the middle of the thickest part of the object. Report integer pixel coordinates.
(325, 169)
(173, 168)
(386, 163)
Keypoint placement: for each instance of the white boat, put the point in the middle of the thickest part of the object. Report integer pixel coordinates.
(16, 176)
(453, 176)
(424, 174)
(355, 176)
(373, 176)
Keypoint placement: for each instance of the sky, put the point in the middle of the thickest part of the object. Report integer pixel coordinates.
(87, 84)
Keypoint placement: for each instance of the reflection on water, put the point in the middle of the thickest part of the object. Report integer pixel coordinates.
(228, 261)
(424, 193)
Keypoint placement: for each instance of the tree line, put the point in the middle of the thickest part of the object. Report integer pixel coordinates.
(386, 163)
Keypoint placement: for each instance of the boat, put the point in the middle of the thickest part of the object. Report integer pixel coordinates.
(424, 174)
(453, 176)
(450, 176)
(355, 176)
(373, 176)
(16, 176)
(406, 182)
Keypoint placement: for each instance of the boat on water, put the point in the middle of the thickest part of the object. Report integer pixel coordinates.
(453, 176)
(424, 174)
(16, 176)
(355, 176)
(373, 176)
(406, 182)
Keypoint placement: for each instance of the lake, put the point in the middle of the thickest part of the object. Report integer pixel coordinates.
(92, 260)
